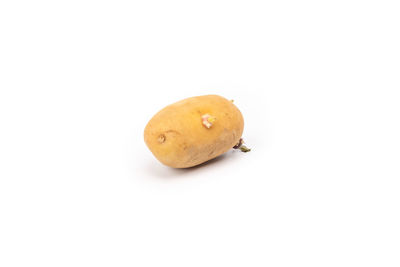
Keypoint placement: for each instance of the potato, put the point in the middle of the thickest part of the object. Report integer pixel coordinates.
(194, 130)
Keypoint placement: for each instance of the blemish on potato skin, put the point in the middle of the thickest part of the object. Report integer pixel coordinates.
(161, 138)
(172, 131)
(211, 153)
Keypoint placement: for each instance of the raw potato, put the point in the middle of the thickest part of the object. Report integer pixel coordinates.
(194, 130)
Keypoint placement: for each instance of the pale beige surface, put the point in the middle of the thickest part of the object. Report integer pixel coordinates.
(177, 137)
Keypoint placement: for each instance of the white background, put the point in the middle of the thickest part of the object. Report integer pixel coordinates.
(317, 82)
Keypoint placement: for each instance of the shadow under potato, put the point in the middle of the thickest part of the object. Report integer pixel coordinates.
(167, 172)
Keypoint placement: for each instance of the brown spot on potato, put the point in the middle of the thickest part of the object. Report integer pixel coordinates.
(161, 138)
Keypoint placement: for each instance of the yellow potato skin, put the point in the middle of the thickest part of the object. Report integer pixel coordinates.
(177, 137)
